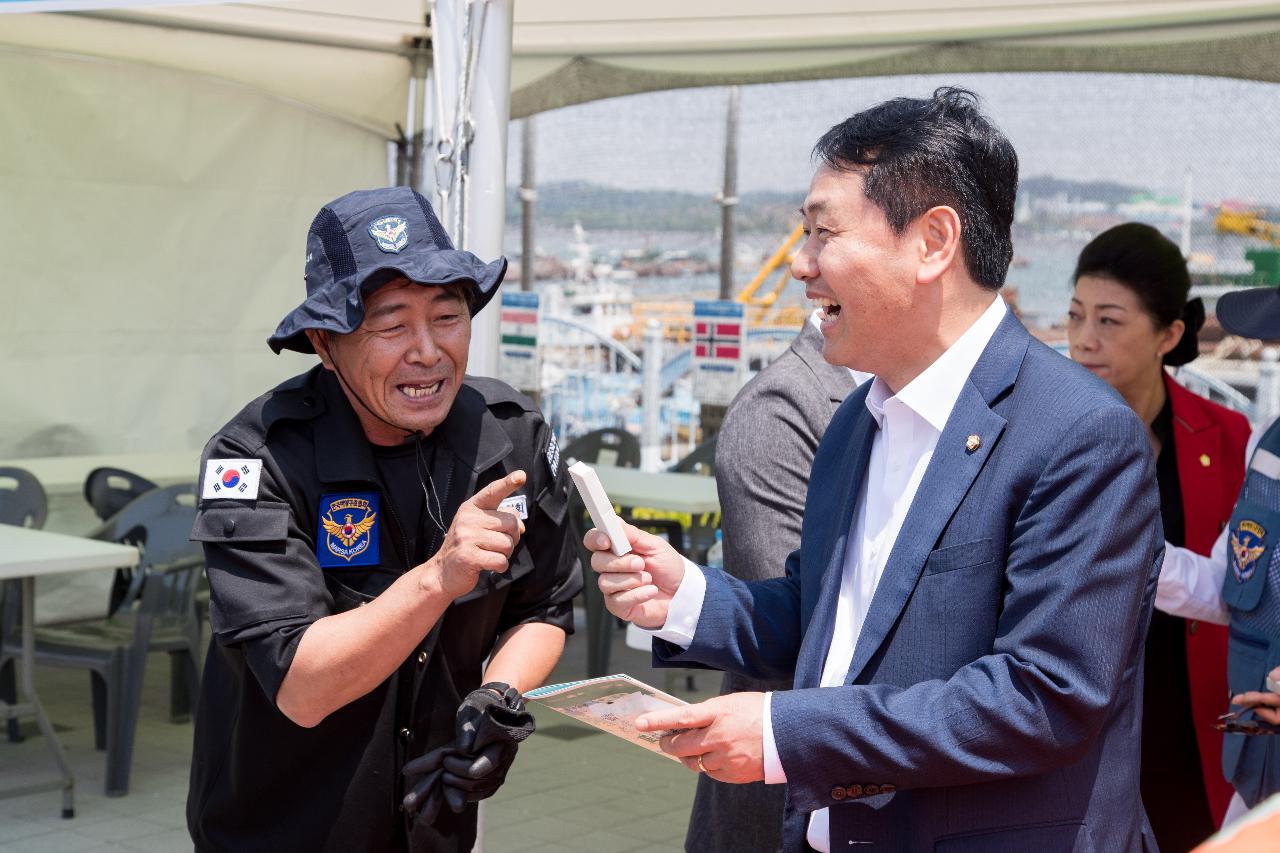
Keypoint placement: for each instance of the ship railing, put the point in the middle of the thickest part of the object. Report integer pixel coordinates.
(1220, 391)
(1265, 404)
(590, 381)
(1197, 380)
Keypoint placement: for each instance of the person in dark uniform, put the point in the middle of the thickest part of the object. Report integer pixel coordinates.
(383, 536)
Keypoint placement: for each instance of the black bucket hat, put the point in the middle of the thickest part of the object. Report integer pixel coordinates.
(366, 239)
(1251, 313)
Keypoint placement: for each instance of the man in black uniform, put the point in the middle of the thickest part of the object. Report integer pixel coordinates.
(375, 530)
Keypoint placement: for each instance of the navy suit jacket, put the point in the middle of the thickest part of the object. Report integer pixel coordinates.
(994, 699)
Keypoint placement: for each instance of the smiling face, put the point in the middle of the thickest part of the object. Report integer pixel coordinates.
(402, 368)
(1112, 334)
(859, 272)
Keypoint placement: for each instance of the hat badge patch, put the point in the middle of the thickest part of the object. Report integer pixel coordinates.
(391, 233)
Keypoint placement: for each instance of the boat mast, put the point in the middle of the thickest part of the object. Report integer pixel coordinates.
(528, 195)
(728, 197)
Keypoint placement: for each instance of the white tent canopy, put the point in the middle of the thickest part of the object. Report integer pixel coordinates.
(159, 164)
(352, 59)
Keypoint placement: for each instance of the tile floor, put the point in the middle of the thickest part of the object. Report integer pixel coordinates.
(571, 789)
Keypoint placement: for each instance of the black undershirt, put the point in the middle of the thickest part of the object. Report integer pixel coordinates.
(1172, 783)
(404, 471)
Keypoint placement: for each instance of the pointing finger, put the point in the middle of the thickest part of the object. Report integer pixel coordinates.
(492, 495)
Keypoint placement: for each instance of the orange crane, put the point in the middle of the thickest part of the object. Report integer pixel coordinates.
(759, 307)
(1249, 223)
(1266, 262)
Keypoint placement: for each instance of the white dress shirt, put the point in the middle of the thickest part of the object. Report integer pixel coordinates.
(1190, 584)
(910, 423)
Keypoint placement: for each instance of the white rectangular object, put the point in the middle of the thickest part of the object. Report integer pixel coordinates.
(26, 552)
(600, 507)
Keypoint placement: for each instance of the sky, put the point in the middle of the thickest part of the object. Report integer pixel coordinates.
(1145, 130)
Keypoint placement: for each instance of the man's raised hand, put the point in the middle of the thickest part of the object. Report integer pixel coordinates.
(480, 539)
(638, 586)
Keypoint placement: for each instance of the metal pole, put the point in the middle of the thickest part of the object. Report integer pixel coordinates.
(651, 398)
(1267, 402)
(528, 195)
(1187, 209)
(417, 116)
(446, 59)
(729, 197)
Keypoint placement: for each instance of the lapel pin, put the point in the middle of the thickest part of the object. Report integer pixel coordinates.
(1204, 460)
(973, 442)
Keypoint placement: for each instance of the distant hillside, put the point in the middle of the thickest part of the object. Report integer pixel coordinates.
(1044, 186)
(773, 211)
(598, 207)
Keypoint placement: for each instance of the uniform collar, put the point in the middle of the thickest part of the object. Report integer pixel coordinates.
(1188, 411)
(344, 454)
(471, 431)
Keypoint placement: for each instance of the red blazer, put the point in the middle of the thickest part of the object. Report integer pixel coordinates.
(1209, 444)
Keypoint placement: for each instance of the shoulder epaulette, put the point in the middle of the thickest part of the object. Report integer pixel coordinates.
(497, 394)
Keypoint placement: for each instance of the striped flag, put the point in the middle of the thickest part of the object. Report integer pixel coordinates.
(717, 340)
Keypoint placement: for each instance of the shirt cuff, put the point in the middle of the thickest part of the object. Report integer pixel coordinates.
(686, 605)
(1190, 585)
(773, 772)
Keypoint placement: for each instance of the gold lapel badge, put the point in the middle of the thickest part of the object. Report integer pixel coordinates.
(1204, 460)
(973, 442)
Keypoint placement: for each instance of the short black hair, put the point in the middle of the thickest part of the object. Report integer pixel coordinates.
(1141, 258)
(918, 153)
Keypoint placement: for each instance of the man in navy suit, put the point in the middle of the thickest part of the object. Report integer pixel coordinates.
(963, 621)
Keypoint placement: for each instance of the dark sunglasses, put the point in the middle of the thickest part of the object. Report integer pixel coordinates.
(1231, 723)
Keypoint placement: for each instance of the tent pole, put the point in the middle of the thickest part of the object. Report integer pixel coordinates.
(486, 181)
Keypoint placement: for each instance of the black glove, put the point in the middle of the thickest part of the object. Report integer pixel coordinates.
(422, 777)
(490, 724)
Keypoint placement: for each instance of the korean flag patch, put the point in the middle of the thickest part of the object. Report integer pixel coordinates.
(236, 479)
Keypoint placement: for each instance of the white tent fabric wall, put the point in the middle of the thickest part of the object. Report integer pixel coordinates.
(152, 232)
(224, 126)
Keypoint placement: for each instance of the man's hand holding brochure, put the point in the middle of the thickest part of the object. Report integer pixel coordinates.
(611, 703)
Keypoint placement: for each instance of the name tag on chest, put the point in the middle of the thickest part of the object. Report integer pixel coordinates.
(518, 504)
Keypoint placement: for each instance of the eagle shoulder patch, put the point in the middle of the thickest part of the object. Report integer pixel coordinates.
(347, 533)
(1247, 546)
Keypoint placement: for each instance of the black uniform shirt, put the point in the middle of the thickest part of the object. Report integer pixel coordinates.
(258, 780)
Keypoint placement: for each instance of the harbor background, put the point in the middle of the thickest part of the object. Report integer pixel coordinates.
(642, 173)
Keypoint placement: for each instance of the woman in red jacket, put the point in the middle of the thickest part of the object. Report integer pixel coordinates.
(1130, 317)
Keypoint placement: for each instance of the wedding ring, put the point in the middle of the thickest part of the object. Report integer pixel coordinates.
(701, 767)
